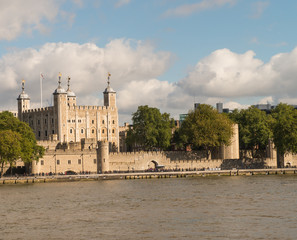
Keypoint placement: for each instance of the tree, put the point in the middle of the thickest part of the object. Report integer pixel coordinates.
(10, 148)
(29, 149)
(254, 128)
(206, 128)
(151, 129)
(284, 129)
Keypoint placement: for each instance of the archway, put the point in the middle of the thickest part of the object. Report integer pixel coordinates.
(154, 166)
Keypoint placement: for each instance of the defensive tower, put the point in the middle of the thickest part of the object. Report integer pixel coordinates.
(23, 102)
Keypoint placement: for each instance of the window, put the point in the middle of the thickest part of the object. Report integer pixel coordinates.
(70, 130)
(42, 162)
(112, 130)
(79, 161)
(92, 121)
(53, 131)
(46, 133)
(93, 131)
(38, 121)
(69, 162)
(112, 121)
(82, 131)
(102, 130)
(38, 133)
(44, 121)
(52, 120)
(95, 161)
(102, 121)
(58, 162)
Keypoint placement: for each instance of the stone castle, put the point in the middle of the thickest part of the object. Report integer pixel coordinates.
(68, 123)
(89, 139)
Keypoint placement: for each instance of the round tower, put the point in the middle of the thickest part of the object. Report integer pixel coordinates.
(60, 111)
(109, 95)
(23, 102)
(71, 97)
(103, 157)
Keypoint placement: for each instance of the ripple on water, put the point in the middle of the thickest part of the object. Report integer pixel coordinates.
(260, 207)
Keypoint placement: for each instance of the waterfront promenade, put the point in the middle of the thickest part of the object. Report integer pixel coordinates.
(145, 175)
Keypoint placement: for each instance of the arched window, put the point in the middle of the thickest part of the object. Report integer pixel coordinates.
(70, 130)
(93, 131)
(102, 130)
(82, 130)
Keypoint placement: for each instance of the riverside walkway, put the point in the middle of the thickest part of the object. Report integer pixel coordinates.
(145, 175)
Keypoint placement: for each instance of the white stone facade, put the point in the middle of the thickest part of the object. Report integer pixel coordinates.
(67, 122)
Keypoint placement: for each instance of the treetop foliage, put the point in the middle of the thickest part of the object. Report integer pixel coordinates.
(254, 128)
(16, 133)
(151, 129)
(205, 127)
(284, 127)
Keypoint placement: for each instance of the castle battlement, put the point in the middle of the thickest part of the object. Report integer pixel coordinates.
(90, 107)
(37, 110)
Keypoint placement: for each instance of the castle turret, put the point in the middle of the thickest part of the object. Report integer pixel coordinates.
(109, 95)
(60, 111)
(71, 97)
(103, 157)
(23, 102)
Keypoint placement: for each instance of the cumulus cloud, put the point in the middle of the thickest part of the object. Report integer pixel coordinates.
(87, 64)
(268, 99)
(18, 16)
(188, 9)
(135, 66)
(229, 75)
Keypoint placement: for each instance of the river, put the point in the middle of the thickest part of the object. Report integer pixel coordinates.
(237, 207)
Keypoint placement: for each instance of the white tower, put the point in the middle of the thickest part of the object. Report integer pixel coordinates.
(23, 102)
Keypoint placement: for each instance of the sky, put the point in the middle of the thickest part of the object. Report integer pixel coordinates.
(167, 54)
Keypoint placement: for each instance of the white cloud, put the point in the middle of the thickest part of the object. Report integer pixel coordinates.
(258, 8)
(128, 62)
(268, 99)
(188, 9)
(235, 105)
(230, 75)
(121, 3)
(223, 76)
(19, 16)
(150, 92)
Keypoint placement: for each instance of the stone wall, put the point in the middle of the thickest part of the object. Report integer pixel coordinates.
(60, 161)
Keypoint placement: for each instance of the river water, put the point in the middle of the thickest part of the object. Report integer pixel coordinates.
(237, 207)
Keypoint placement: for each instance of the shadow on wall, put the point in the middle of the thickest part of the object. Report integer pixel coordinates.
(246, 163)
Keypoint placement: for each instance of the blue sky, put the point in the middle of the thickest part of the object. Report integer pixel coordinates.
(165, 53)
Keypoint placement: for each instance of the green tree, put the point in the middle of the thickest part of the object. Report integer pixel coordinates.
(206, 128)
(254, 129)
(284, 129)
(10, 148)
(151, 129)
(29, 149)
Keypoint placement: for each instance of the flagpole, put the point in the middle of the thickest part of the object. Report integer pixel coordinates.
(40, 90)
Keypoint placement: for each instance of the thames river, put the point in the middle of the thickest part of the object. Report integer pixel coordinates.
(237, 207)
